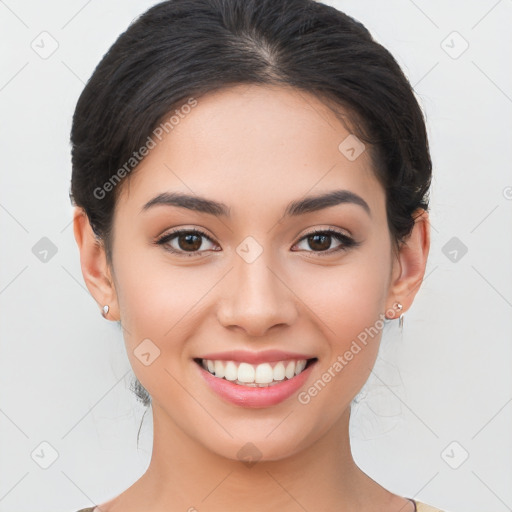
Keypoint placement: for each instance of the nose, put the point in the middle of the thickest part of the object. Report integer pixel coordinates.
(256, 297)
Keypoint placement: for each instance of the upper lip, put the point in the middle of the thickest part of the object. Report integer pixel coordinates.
(264, 356)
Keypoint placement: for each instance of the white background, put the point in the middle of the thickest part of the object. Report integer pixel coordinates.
(64, 374)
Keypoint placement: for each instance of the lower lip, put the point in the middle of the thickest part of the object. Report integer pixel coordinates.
(247, 396)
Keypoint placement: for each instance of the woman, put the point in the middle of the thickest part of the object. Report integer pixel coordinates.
(251, 187)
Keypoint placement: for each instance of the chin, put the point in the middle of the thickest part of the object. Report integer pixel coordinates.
(252, 444)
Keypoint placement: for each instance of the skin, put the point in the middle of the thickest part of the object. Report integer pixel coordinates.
(254, 148)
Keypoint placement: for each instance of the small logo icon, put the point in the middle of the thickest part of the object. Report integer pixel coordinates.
(351, 147)
(249, 249)
(454, 45)
(454, 455)
(44, 455)
(146, 352)
(44, 250)
(45, 45)
(249, 454)
(454, 249)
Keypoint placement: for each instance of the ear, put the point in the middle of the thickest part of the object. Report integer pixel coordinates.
(93, 260)
(410, 264)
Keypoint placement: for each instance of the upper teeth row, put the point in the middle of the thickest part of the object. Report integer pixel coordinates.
(262, 373)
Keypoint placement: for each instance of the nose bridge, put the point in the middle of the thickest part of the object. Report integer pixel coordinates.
(256, 282)
(255, 297)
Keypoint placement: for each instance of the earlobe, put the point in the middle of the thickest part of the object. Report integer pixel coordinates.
(412, 257)
(93, 261)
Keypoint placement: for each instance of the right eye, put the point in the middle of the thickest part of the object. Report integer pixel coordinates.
(187, 241)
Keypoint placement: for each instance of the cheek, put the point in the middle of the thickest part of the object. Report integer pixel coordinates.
(349, 301)
(154, 305)
(351, 305)
(350, 297)
(159, 304)
(154, 295)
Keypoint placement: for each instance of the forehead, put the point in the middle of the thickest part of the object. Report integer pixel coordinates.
(252, 146)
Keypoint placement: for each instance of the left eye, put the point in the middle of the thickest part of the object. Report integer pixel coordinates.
(322, 240)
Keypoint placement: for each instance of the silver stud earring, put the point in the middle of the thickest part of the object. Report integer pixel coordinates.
(399, 307)
(105, 310)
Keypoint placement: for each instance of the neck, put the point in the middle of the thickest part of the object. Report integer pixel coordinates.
(185, 475)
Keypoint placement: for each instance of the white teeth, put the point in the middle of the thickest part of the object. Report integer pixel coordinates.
(261, 375)
(300, 366)
(246, 372)
(219, 369)
(279, 371)
(290, 370)
(230, 371)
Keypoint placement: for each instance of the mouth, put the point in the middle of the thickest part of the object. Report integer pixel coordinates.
(262, 375)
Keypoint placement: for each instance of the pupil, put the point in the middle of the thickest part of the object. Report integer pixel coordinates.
(188, 238)
(324, 246)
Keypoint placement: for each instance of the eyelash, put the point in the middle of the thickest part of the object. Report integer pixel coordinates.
(346, 241)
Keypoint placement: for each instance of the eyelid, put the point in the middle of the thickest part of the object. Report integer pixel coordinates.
(327, 228)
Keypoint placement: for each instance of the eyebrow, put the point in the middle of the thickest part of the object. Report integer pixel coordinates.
(295, 208)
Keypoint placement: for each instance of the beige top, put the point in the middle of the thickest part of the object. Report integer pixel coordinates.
(420, 507)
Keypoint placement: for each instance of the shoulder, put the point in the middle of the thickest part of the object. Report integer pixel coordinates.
(423, 507)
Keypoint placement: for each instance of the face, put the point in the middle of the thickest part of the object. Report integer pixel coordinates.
(264, 284)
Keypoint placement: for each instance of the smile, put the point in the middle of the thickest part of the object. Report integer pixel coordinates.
(255, 375)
